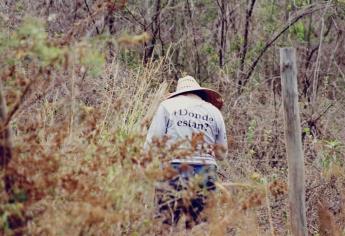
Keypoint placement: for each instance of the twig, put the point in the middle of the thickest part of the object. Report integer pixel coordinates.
(197, 69)
(313, 50)
(243, 185)
(155, 26)
(269, 210)
(221, 174)
(324, 112)
(134, 17)
(159, 13)
(93, 20)
(16, 106)
(223, 30)
(81, 24)
(317, 66)
(319, 116)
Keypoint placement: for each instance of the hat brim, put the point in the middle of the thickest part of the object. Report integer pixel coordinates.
(211, 96)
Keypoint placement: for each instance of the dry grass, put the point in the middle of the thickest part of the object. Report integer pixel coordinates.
(80, 169)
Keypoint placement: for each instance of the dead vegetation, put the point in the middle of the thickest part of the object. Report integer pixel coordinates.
(77, 166)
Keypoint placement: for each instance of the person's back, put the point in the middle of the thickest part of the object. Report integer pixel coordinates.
(185, 115)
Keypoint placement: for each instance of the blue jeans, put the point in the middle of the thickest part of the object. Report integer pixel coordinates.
(208, 174)
(171, 205)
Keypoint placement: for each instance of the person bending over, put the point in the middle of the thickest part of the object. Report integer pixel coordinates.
(191, 118)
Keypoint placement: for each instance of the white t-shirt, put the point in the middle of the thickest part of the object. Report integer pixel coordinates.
(181, 116)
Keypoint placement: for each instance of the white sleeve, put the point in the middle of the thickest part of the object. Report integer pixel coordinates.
(221, 147)
(221, 136)
(158, 126)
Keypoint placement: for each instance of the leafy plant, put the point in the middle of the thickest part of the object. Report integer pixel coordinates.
(332, 154)
(298, 30)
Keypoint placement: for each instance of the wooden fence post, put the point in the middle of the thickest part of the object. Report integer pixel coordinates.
(288, 70)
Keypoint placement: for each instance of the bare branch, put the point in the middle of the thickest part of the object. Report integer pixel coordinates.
(89, 11)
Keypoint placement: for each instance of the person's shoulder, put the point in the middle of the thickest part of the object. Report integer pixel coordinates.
(212, 107)
(214, 110)
(170, 103)
(173, 101)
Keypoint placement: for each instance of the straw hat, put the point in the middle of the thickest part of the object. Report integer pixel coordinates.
(189, 84)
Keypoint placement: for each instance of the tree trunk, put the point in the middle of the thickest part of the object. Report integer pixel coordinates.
(223, 29)
(197, 67)
(244, 49)
(155, 25)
